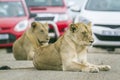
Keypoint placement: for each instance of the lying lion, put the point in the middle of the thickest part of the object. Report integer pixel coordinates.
(23, 49)
(69, 52)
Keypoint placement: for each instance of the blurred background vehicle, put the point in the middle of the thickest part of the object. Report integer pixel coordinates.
(75, 4)
(105, 16)
(51, 10)
(14, 20)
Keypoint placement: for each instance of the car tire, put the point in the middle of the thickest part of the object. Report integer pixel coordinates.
(9, 50)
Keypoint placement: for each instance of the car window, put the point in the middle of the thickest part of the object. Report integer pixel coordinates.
(11, 9)
(44, 2)
(103, 5)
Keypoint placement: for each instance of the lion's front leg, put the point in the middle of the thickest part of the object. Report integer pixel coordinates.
(30, 54)
(101, 67)
(76, 66)
(75, 63)
(82, 58)
(87, 67)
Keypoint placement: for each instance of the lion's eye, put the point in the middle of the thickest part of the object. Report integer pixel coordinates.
(84, 33)
(41, 31)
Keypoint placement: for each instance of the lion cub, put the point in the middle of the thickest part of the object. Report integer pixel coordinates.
(38, 34)
(69, 52)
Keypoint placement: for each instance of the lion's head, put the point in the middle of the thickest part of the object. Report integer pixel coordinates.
(39, 33)
(81, 33)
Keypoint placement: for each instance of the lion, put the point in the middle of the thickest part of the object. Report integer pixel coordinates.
(69, 52)
(22, 47)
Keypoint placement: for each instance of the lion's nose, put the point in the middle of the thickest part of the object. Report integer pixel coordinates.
(48, 38)
(91, 41)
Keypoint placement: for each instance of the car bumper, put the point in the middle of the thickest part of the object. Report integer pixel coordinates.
(100, 43)
(106, 41)
(8, 41)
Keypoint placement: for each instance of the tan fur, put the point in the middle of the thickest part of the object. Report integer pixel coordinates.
(23, 48)
(69, 52)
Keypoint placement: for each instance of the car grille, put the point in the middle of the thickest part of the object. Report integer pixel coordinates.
(108, 38)
(44, 18)
(11, 39)
(4, 28)
(52, 30)
(110, 26)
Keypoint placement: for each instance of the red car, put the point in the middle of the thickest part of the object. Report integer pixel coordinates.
(14, 20)
(51, 10)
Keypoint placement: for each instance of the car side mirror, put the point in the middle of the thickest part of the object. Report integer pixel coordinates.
(75, 9)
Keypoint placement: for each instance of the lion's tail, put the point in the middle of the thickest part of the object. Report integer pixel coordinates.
(5, 67)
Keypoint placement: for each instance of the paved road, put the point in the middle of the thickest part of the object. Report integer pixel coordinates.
(94, 56)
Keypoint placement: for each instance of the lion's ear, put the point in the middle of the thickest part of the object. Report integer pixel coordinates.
(89, 24)
(73, 27)
(46, 25)
(33, 24)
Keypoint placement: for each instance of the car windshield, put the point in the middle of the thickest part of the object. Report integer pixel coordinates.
(103, 5)
(11, 9)
(44, 2)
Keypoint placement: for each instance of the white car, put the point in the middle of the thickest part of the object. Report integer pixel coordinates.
(105, 16)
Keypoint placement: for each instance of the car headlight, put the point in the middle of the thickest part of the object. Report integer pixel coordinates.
(63, 17)
(81, 19)
(21, 26)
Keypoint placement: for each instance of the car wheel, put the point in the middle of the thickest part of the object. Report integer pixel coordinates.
(111, 50)
(9, 50)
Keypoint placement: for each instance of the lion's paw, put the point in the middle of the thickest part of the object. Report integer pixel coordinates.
(94, 70)
(91, 69)
(104, 67)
